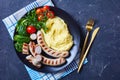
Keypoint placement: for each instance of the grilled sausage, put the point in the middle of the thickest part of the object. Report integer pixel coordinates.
(48, 50)
(34, 49)
(35, 60)
(53, 62)
(47, 61)
(25, 49)
(29, 58)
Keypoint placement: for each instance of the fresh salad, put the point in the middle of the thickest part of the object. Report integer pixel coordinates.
(28, 25)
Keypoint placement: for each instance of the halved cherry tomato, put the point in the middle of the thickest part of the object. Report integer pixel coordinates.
(31, 29)
(39, 11)
(46, 8)
(40, 17)
(50, 14)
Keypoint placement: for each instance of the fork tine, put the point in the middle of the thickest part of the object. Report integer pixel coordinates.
(90, 22)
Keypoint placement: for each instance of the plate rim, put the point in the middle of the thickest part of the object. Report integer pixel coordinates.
(69, 31)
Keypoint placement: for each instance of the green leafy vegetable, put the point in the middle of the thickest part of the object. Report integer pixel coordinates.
(30, 19)
(43, 26)
(18, 46)
(21, 39)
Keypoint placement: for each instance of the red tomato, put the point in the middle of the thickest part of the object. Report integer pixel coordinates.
(39, 11)
(40, 17)
(46, 8)
(50, 14)
(31, 29)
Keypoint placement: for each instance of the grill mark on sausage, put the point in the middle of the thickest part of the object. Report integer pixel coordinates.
(40, 38)
(25, 44)
(40, 35)
(36, 54)
(45, 48)
(56, 62)
(64, 54)
(41, 42)
(48, 61)
(45, 60)
(25, 48)
(33, 48)
(53, 52)
(58, 54)
(32, 43)
(53, 62)
(43, 45)
(49, 50)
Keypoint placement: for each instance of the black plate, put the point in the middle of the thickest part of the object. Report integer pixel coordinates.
(75, 32)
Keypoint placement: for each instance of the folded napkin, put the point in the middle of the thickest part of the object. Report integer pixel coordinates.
(10, 23)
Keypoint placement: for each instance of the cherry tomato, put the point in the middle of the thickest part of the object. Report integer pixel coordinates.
(46, 8)
(31, 29)
(40, 17)
(50, 14)
(39, 11)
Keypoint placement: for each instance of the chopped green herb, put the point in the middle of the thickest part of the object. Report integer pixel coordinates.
(18, 46)
(21, 39)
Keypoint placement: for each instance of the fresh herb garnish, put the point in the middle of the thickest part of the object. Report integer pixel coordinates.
(18, 46)
(21, 39)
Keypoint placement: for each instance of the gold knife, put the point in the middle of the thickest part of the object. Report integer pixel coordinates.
(86, 52)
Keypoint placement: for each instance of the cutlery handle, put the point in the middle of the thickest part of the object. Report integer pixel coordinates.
(85, 42)
(84, 47)
(84, 56)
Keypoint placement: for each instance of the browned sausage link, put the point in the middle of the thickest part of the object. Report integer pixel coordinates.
(32, 48)
(25, 48)
(48, 50)
(53, 62)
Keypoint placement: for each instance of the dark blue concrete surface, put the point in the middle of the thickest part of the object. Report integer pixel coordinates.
(104, 56)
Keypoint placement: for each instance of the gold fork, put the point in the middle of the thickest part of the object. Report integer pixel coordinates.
(89, 27)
